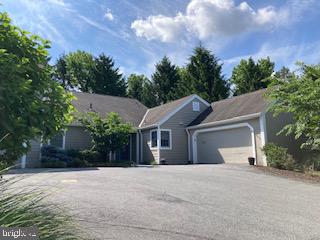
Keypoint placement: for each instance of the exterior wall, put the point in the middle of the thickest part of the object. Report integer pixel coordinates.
(148, 154)
(274, 125)
(133, 147)
(258, 141)
(178, 154)
(78, 138)
(33, 156)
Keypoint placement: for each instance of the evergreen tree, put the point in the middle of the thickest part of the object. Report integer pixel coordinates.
(107, 79)
(249, 76)
(165, 80)
(204, 76)
(140, 88)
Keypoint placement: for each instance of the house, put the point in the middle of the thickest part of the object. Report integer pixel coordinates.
(187, 130)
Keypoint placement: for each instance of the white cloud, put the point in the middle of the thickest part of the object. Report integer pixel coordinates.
(207, 18)
(108, 15)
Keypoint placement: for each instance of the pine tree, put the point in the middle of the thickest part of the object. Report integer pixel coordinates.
(165, 80)
(140, 88)
(107, 79)
(249, 76)
(204, 73)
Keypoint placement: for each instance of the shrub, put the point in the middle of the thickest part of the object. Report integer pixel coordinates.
(52, 162)
(77, 162)
(278, 157)
(92, 157)
(311, 162)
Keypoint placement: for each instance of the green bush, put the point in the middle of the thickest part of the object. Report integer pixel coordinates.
(310, 162)
(92, 157)
(278, 157)
(77, 162)
(52, 162)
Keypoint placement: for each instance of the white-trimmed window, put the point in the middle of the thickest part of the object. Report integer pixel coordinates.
(196, 106)
(154, 138)
(165, 140)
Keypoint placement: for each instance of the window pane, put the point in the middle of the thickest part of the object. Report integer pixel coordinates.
(165, 139)
(196, 106)
(154, 139)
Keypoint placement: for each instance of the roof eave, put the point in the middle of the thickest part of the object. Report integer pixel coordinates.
(226, 121)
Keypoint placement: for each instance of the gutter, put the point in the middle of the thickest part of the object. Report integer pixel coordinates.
(231, 120)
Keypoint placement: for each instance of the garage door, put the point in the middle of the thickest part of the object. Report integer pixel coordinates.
(224, 146)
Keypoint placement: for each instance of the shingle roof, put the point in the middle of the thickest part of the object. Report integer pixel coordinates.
(154, 115)
(130, 110)
(238, 106)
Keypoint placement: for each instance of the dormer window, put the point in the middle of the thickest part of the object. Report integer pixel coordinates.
(196, 106)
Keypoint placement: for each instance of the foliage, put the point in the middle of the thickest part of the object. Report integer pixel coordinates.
(27, 207)
(204, 76)
(31, 104)
(52, 157)
(184, 85)
(284, 73)
(299, 95)
(108, 134)
(165, 80)
(140, 88)
(278, 157)
(107, 79)
(249, 76)
(79, 70)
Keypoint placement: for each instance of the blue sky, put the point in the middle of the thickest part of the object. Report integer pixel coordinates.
(138, 33)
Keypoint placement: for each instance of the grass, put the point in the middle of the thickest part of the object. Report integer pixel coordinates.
(26, 207)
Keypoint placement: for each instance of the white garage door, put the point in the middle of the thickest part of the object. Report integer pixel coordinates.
(224, 146)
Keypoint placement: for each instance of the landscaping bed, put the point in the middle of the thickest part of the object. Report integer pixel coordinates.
(313, 177)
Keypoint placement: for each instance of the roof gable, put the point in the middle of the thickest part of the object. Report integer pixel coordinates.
(243, 105)
(158, 115)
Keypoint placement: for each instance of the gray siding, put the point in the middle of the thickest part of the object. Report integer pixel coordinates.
(274, 126)
(33, 156)
(255, 123)
(178, 123)
(149, 154)
(78, 138)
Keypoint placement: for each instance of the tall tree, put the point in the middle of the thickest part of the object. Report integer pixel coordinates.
(31, 104)
(107, 78)
(140, 88)
(204, 73)
(299, 95)
(165, 80)
(80, 70)
(184, 84)
(60, 73)
(249, 76)
(284, 73)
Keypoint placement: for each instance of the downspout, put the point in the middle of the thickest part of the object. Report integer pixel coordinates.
(141, 146)
(158, 143)
(24, 158)
(137, 147)
(188, 134)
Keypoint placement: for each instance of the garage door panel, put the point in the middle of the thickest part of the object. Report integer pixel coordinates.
(232, 145)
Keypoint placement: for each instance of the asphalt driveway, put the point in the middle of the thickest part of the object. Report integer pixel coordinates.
(186, 202)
